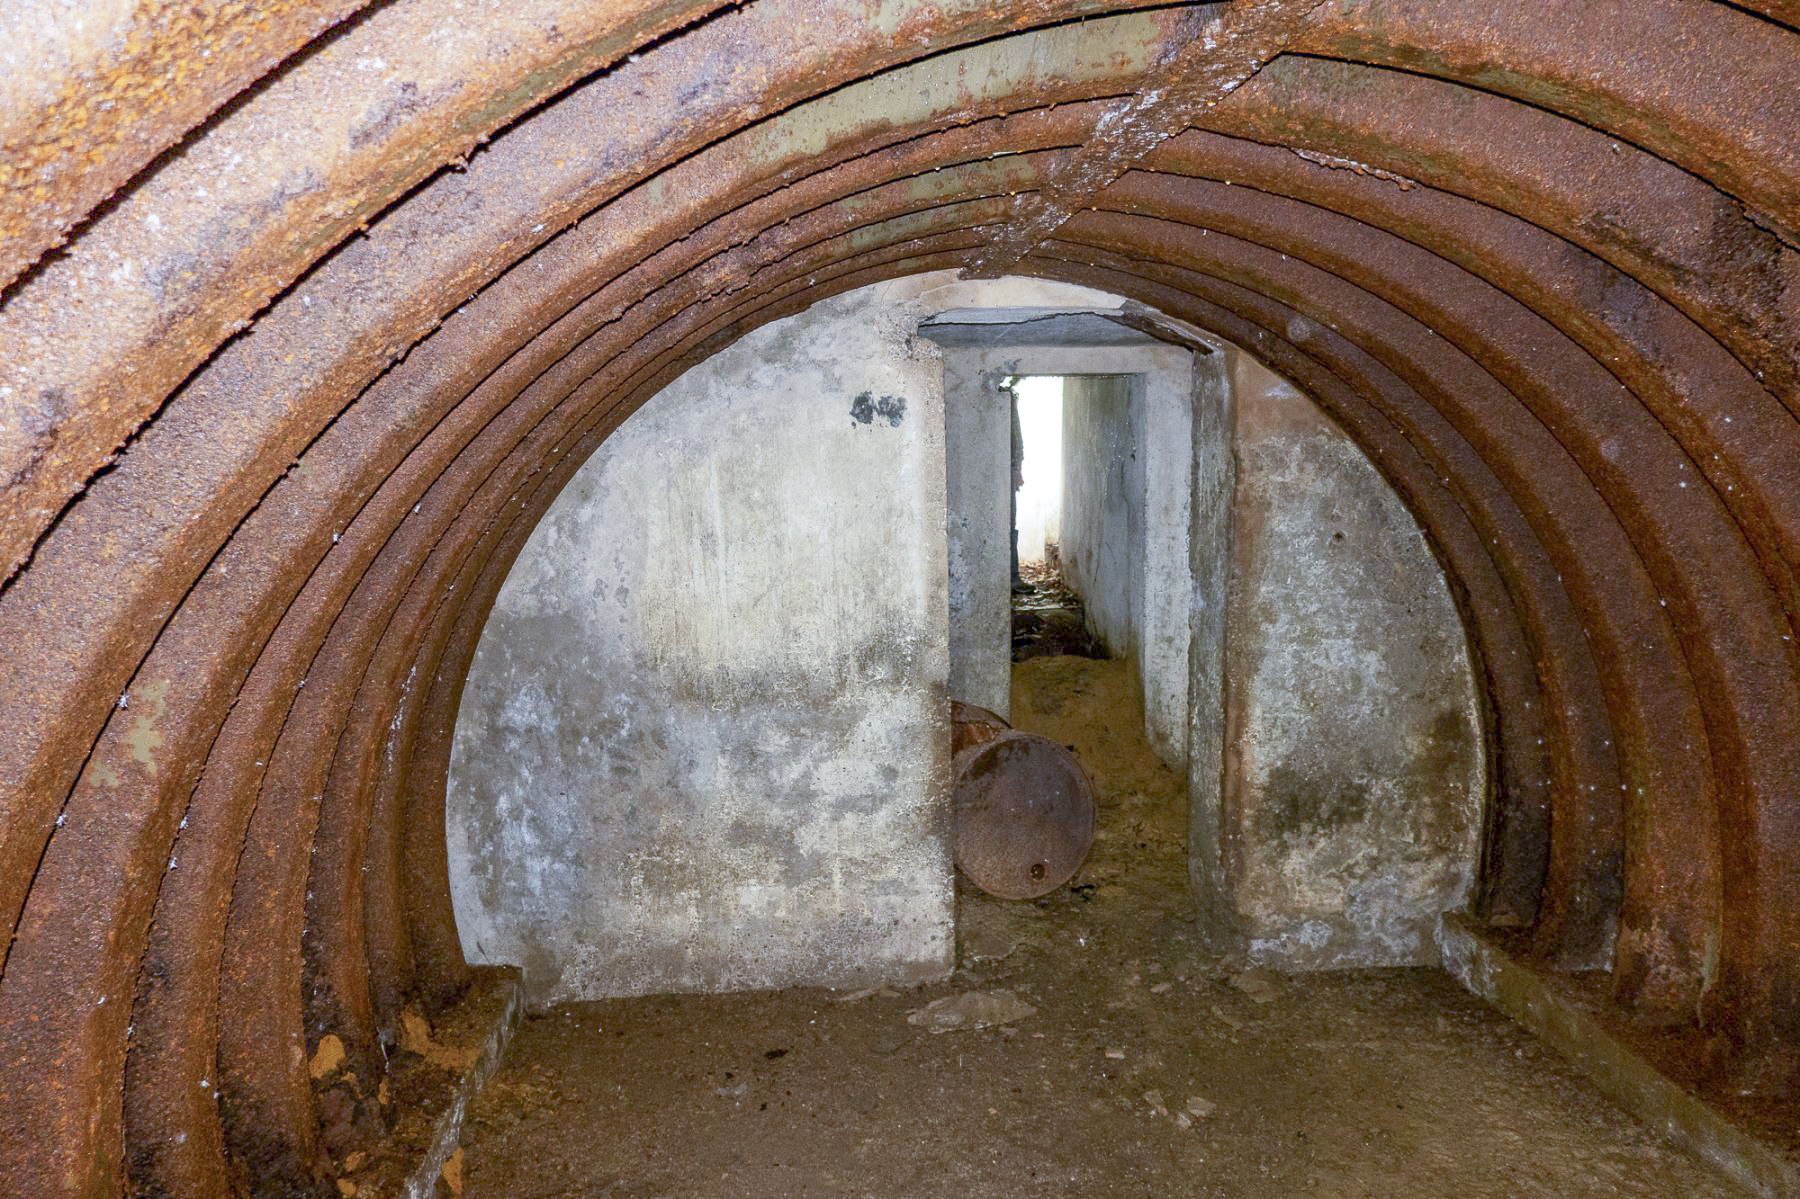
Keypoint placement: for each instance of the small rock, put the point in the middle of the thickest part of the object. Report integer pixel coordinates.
(867, 993)
(1155, 1100)
(736, 1092)
(1182, 1121)
(970, 1010)
(1160, 988)
(1198, 1106)
(1115, 1055)
(1259, 984)
(1228, 1018)
(988, 945)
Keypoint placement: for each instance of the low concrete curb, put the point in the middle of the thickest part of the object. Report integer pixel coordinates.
(1621, 1074)
(423, 1182)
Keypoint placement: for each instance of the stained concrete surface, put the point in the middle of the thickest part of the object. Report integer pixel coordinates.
(1103, 526)
(1750, 1138)
(1149, 1068)
(1211, 506)
(978, 469)
(703, 744)
(1355, 772)
(703, 741)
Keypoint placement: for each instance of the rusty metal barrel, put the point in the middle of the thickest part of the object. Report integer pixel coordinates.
(1024, 806)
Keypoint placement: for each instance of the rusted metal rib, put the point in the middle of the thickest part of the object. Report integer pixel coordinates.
(86, 104)
(1700, 93)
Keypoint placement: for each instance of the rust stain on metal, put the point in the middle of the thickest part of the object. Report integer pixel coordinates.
(971, 726)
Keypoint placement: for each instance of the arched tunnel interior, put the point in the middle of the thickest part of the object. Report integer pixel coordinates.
(311, 310)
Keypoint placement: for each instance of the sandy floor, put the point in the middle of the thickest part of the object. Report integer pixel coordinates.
(1146, 1068)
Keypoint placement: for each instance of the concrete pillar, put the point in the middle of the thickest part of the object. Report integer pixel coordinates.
(1167, 394)
(1355, 771)
(978, 463)
(1214, 484)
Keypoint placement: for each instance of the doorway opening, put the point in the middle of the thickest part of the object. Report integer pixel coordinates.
(1037, 513)
(1048, 616)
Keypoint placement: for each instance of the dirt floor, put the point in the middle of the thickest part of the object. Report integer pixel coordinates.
(1124, 1063)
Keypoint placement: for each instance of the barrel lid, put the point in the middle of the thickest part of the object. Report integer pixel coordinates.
(1024, 815)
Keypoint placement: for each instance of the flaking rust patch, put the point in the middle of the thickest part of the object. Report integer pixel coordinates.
(415, 1036)
(144, 739)
(329, 1057)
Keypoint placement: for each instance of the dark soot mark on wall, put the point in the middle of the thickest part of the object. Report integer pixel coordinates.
(865, 408)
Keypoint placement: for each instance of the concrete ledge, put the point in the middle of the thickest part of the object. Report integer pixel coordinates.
(447, 1138)
(1530, 998)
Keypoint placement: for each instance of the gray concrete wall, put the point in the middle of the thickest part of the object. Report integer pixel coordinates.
(1355, 774)
(703, 741)
(1103, 505)
(1167, 393)
(1212, 495)
(978, 442)
(703, 744)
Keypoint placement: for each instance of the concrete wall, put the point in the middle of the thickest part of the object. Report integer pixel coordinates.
(1355, 774)
(704, 741)
(978, 440)
(1213, 464)
(1103, 505)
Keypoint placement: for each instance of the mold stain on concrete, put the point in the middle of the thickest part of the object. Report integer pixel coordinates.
(1357, 773)
(865, 408)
